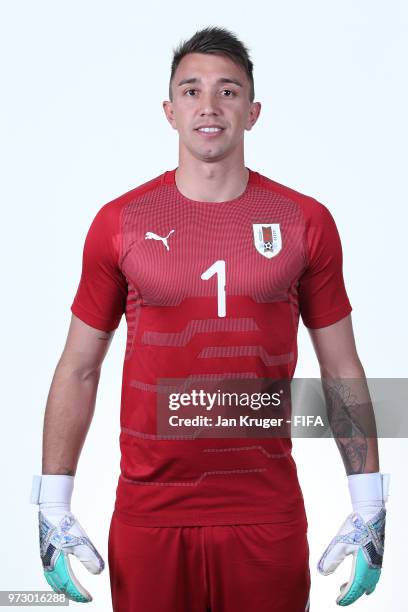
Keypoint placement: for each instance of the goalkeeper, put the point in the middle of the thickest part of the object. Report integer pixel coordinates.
(213, 264)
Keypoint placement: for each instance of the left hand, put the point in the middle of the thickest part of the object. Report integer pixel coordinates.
(361, 535)
(364, 539)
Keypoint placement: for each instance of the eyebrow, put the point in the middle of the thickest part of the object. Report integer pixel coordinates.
(221, 80)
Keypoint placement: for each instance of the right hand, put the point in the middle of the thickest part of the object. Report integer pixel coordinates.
(60, 535)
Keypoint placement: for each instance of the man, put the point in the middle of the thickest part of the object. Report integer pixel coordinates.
(212, 264)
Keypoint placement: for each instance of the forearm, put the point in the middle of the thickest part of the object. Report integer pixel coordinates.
(352, 420)
(68, 415)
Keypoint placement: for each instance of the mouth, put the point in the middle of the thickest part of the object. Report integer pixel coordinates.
(209, 131)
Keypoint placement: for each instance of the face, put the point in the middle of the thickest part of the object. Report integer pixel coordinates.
(210, 108)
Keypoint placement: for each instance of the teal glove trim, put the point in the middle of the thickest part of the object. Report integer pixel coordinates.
(364, 581)
(60, 579)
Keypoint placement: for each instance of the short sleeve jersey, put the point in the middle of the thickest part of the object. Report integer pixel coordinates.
(144, 256)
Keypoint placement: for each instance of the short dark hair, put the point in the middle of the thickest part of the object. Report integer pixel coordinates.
(217, 41)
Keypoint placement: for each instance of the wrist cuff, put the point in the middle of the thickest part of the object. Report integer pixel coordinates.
(369, 488)
(52, 488)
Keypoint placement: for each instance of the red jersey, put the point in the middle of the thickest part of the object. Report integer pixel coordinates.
(157, 256)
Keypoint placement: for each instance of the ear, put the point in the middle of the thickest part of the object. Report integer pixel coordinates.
(254, 112)
(169, 112)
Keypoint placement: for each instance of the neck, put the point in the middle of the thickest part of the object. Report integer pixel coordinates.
(218, 181)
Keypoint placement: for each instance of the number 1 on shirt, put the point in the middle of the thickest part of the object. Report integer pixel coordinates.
(218, 268)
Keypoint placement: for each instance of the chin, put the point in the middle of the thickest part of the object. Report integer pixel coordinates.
(208, 155)
(213, 154)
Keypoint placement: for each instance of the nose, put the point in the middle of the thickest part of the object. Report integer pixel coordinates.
(209, 104)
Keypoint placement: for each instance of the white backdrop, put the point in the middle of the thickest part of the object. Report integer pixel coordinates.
(81, 123)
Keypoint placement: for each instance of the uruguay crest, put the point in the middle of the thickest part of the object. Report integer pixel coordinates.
(267, 238)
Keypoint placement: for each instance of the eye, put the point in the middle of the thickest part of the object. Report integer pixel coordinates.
(188, 91)
(229, 93)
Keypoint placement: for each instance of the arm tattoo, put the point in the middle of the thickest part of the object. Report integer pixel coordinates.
(351, 421)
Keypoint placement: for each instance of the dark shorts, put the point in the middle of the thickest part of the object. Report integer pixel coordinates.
(227, 568)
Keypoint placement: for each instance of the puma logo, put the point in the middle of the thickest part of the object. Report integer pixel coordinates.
(153, 236)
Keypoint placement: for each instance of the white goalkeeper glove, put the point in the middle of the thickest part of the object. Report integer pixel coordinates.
(61, 535)
(361, 535)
